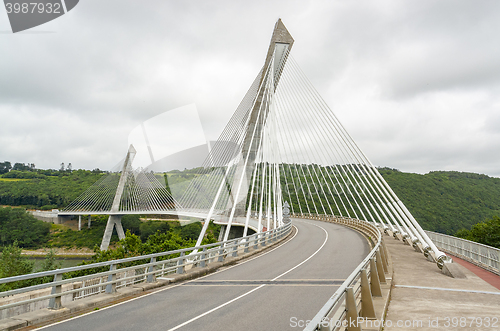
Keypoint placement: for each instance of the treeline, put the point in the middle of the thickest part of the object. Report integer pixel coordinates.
(487, 232)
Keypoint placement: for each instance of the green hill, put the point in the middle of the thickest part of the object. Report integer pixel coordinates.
(441, 201)
(446, 201)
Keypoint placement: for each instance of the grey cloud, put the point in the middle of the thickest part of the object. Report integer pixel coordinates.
(73, 95)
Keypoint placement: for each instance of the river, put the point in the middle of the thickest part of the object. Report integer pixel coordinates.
(65, 262)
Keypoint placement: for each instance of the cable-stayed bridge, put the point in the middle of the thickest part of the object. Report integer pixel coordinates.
(307, 203)
(282, 144)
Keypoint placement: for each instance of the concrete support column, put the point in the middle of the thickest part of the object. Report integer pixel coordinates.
(55, 303)
(152, 278)
(374, 280)
(385, 264)
(352, 310)
(111, 288)
(380, 268)
(113, 220)
(79, 222)
(89, 223)
(180, 264)
(367, 307)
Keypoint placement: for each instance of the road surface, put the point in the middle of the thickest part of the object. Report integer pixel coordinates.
(277, 290)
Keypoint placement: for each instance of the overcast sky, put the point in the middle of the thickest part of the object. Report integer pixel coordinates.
(416, 83)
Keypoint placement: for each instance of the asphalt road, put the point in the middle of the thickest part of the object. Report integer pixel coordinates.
(273, 291)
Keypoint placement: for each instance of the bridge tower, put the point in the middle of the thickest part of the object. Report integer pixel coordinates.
(277, 54)
(116, 220)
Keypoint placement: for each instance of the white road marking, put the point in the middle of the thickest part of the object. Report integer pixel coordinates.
(255, 289)
(173, 286)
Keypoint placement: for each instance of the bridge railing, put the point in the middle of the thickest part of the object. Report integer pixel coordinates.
(484, 256)
(121, 273)
(353, 300)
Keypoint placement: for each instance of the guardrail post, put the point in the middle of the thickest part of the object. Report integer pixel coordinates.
(152, 277)
(55, 303)
(263, 243)
(374, 281)
(111, 288)
(221, 253)
(203, 257)
(380, 268)
(385, 265)
(367, 308)
(256, 243)
(386, 253)
(235, 248)
(352, 310)
(180, 264)
(246, 245)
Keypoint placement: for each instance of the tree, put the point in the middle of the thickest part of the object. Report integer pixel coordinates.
(14, 264)
(50, 262)
(132, 223)
(191, 231)
(5, 167)
(487, 233)
(21, 167)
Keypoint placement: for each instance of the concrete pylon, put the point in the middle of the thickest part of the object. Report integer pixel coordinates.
(115, 220)
(281, 43)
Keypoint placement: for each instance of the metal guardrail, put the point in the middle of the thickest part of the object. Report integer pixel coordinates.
(482, 255)
(117, 276)
(353, 300)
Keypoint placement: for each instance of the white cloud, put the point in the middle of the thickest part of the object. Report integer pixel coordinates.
(415, 83)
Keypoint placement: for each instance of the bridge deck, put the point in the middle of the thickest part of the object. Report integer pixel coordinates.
(273, 291)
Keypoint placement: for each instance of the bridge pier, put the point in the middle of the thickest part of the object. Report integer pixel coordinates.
(113, 220)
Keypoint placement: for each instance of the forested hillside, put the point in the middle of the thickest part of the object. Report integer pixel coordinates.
(446, 201)
(44, 189)
(442, 201)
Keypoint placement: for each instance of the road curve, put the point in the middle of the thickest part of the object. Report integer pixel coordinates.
(277, 290)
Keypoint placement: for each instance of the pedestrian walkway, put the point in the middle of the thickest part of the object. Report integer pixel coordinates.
(485, 275)
(423, 298)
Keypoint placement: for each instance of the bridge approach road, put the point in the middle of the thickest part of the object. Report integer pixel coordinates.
(276, 290)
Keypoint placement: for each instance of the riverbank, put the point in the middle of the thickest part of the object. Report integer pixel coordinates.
(62, 252)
